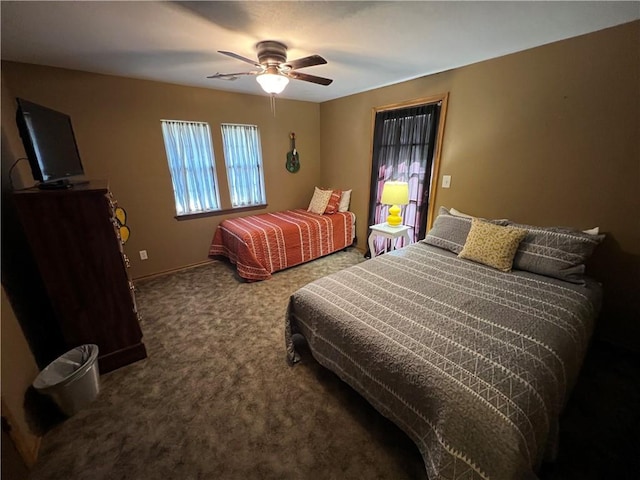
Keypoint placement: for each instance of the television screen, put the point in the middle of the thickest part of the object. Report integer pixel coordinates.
(49, 142)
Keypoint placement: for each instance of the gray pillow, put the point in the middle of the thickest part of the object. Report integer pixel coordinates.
(450, 231)
(555, 252)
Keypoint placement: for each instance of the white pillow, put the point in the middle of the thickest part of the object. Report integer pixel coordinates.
(593, 231)
(319, 201)
(458, 213)
(344, 201)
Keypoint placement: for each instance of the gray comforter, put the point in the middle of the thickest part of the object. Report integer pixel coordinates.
(472, 363)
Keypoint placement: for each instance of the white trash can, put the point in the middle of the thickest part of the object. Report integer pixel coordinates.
(72, 380)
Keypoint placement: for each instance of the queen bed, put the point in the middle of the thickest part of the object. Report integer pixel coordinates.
(474, 363)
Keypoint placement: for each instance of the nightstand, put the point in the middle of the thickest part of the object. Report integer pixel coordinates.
(386, 231)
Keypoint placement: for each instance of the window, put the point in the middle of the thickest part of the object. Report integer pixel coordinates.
(192, 166)
(243, 157)
(403, 149)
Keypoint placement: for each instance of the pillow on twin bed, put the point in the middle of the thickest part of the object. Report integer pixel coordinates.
(334, 202)
(492, 245)
(555, 252)
(319, 201)
(345, 199)
(450, 231)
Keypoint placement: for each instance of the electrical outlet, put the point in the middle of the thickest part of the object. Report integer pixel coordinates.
(446, 181)
(143, 255)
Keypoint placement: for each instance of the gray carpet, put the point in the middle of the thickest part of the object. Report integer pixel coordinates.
(216, 398)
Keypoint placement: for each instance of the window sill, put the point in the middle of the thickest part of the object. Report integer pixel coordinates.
(214, 213)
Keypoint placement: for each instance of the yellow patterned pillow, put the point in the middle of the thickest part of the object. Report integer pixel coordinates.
(319, 201)
(492, 245)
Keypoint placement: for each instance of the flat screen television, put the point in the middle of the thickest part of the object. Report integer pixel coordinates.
(50, 145)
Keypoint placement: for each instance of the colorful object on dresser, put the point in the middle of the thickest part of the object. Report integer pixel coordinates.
(293, 159)
(121, 219)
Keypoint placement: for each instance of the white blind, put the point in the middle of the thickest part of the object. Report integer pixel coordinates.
(192, 166)
(243, 159)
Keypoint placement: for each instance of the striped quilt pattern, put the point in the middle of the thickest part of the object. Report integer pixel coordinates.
(262, 244)
(474, 364)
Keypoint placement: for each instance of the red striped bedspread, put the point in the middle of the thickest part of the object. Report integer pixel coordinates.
(262, 244)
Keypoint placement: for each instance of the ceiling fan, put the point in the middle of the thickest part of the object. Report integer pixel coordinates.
(275, 71)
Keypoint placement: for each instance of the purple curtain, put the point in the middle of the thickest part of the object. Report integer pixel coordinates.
(403, 146)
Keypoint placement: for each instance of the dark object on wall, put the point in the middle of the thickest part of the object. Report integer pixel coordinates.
(50, 144)
(293, 159)
(75, 243)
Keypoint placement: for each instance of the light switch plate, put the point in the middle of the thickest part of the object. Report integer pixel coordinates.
(446, 181)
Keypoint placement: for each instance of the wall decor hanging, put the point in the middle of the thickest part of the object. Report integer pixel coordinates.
(293, 159)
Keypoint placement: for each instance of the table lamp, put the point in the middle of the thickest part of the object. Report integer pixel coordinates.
(394, 194)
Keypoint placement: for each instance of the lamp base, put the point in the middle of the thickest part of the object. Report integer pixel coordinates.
(394, 219)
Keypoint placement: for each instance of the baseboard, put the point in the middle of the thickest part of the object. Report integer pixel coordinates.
(356, 247)
(200, 264)
(27, 446)
(174, 270)
(122, 357)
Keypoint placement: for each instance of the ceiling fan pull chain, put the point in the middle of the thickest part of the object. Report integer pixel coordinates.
(273, 104)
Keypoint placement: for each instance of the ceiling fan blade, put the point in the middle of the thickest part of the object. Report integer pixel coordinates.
(231, 76)
(239, 57)
(309, 78)
(309, 61)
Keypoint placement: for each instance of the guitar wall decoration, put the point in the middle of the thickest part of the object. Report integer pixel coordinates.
(293, 159)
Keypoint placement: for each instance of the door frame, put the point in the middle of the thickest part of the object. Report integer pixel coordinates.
(443, 99)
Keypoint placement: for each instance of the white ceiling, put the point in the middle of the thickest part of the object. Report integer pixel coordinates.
(367, 44)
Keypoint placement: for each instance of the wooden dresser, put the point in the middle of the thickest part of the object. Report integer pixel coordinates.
(76, 245)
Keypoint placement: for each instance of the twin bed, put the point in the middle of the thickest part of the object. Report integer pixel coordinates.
(262, 244)
(473, 363)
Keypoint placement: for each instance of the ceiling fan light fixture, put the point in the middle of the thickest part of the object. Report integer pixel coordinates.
(275, 71)
(272, 83)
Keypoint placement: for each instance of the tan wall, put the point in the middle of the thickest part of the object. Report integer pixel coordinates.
(18, 371)
(117, 126)
(19, 367)
(549, 136)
